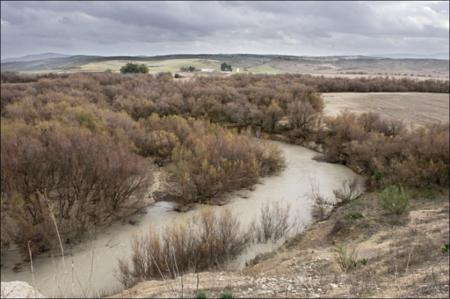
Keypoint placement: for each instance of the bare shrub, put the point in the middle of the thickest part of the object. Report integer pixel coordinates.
(197, 245)
(388, 153)
(205, 166)
(274, 223)
(84, 180)
(322, 206)
(351, 189)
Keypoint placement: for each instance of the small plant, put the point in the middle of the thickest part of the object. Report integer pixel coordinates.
(226, 295)
(355, 216)
(394, 199)
(347, 260)
(200, 295)
(444, 248)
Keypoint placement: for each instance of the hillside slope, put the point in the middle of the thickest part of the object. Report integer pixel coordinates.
(332, 65)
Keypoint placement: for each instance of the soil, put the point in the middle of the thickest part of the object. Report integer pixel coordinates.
(412, 107)
(396, 257)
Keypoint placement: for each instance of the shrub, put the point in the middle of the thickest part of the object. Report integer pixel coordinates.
(197, 245)
(351, 189)
(226, 295)
(274, 223)
(208, 165)
(225, 67)
(134, 68)
(394, 199)
(388, 153)
(347, 260)
(79, 178)
(188, 68)
(200, 295)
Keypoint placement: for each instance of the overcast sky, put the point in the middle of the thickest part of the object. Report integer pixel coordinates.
(154, 28)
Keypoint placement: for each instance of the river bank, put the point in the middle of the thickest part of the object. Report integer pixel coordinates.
(404, 257)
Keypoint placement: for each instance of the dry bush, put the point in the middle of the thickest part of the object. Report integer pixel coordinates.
(197, 245)
(322, 206)
(82, 178)
(207, 165)
(388, 153)
(274, 223)
(351, 189)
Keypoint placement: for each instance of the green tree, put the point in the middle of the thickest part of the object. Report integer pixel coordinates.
(225, 67)
(134, 68)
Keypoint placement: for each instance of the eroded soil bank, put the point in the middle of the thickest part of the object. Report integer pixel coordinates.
(403, 256)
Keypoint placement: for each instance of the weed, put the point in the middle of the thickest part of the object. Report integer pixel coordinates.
(394, 199)
(200, 295)
(347, 260)
(226, 295)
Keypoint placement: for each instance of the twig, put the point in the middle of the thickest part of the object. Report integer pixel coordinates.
(409, 258)
(32, 268)
(198, 282)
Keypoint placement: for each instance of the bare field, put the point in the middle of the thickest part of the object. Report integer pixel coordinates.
(412, 107)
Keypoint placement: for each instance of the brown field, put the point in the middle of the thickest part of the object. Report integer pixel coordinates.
(412, 107)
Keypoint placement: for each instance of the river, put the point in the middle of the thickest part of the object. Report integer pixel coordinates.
(90, 268)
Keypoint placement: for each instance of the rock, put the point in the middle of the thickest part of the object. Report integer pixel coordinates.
(18, 289)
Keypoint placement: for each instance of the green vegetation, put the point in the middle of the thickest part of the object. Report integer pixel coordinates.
(445, 248)
(226, 295)
(347, 260)
(188, 68)
(200, 295)
(394, 199)
(225, 67)
(134, 68)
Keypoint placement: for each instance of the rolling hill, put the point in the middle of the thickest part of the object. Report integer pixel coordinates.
(270, 64)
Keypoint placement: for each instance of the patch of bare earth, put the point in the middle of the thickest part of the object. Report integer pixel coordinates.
(397, 257)
(411, 107)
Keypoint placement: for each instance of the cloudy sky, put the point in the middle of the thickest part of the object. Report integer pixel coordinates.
(153, 28)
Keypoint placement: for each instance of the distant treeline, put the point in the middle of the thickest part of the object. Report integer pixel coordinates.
(320, 83)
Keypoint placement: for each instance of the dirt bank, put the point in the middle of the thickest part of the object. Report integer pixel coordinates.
(398, 257)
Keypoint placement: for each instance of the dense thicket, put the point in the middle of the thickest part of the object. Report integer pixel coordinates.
(50, 172)
(388, 152)
(82, 125)
(206, 159)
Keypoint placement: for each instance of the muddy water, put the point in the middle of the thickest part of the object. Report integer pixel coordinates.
(90, 268)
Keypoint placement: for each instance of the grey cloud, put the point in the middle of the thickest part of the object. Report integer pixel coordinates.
(149, 28)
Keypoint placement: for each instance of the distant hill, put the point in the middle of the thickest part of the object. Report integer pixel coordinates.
(441, 55)
(244, 63)
(34, 57)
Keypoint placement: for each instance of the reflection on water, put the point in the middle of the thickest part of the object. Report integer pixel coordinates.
(91, 267)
